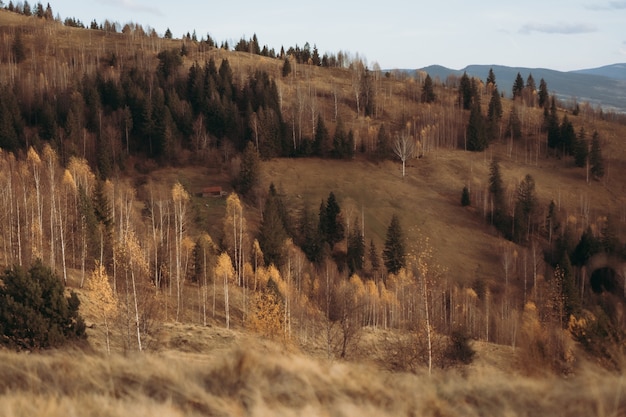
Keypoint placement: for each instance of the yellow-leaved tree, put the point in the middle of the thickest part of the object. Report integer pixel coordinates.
(224, 271)
(102, 297)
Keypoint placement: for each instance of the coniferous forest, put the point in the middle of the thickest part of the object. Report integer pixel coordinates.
(310, 200)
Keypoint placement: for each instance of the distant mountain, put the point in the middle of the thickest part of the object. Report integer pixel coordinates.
(615, 71)
(605, 86)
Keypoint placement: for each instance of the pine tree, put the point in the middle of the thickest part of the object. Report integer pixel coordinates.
(491, 78)
(525, 208)
(428, 92)
(567, 136)
(35, 313)
(496, 192)
(330, 224)
(476, 132)
(394, 251)
(356, 249)
(494, 115)
(595, 157)
(581, 149)
(465, 197)
(272, 234)
(544, 98)
(465, 92)
(286, 68)
(249, 173)
(518, 86)
(168, 34)
(552, 125)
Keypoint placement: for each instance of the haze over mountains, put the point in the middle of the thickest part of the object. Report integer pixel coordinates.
(604, 86)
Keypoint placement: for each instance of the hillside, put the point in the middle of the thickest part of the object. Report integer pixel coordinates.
(271, 300)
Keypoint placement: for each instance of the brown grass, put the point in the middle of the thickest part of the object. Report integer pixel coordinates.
(262, 380)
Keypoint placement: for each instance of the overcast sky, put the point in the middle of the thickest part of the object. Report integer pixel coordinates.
(407, 34)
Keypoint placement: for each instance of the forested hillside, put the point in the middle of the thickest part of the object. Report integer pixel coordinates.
(345, 198)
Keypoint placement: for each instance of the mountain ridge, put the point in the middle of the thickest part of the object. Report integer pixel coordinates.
(603, 86)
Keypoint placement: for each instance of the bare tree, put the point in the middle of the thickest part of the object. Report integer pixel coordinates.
(404, 147)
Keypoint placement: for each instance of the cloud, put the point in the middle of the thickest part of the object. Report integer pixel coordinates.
(134, 6)
(612, 5)
(557, 28)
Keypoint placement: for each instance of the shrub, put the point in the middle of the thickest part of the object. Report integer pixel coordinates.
(35, 313)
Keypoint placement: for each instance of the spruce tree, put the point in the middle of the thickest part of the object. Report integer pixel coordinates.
(544, 98)
(394, 251)
(272, 234)
(595, 157)
(331, 225)
(491, 78)
(356, 249)
(465, 92)
(518, 86)
(476, 132)
(494, 115)
(249, 173)
(428, 92)
(465, 197)
(581, 149)
(286, 68)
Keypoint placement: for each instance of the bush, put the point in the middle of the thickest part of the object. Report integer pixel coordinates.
(459, 349)
(34, 311)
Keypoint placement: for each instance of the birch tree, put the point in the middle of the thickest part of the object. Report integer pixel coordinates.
(102, 297)
(224, 271)
(180, 198)
(403, 148)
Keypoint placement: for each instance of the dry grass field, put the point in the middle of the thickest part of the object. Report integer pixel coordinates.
(236, 374)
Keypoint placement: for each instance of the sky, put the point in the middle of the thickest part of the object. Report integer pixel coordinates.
(405, 34)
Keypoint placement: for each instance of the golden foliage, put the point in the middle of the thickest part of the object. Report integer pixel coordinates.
(268, 314)
(100, 292)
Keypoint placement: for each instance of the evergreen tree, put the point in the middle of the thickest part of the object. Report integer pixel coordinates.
(26, 10)
(168, 34)
(595, 157)
(383, 150)
(494, 115)
(544, 98)
(581, 149)
(465, 197)
(518, 86)
(286, 68)
(373, 257)
(567, 136)
(587, 246)
(272, 234)
(552, 125)
(394, 252)
(321, 142)
(309, 236)
(35, 313)
(476, 132)
(465, 92)
(525, 208)
(330, 223)
(356, 249)
(491, 78)
(428, 91)
(249, 172)
(496, 192)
